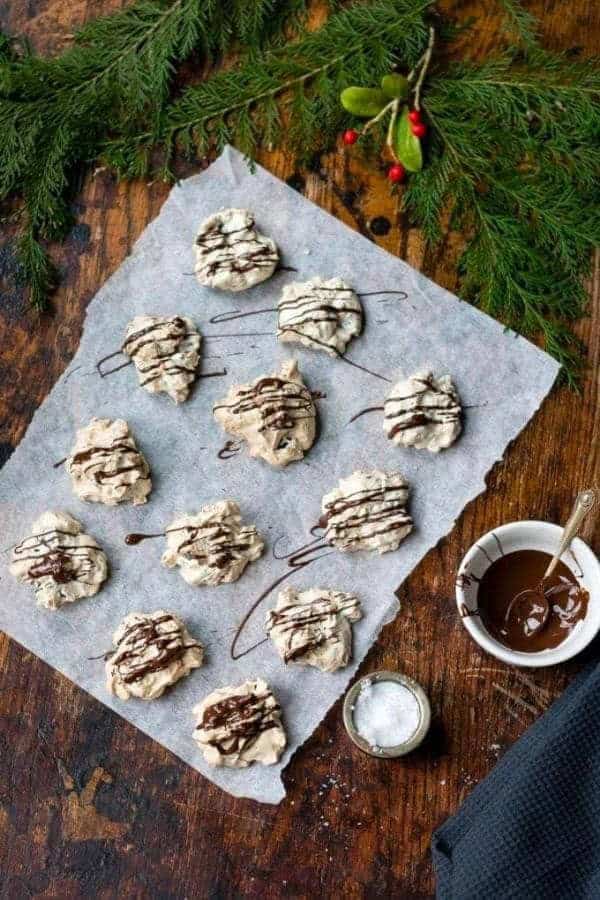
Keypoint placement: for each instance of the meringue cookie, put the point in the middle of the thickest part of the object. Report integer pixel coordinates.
(106, 466)
(153, 651)
(313, 627)
(60, 560)
(367, 511)
(165, 352)
(231, 254)
(274, 414)
(321, 314)
(240, 725)
(424, 412)
(212, 547)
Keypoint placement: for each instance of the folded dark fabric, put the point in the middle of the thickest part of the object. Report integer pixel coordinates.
(531, 829)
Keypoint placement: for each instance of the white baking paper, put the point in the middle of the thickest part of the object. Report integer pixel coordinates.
(500, 376)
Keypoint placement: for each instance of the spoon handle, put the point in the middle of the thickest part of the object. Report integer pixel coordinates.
(583, 504)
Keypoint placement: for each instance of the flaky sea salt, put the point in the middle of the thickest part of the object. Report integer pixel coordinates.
(386, 713)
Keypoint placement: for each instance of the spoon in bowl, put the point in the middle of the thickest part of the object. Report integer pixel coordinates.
(532, 606)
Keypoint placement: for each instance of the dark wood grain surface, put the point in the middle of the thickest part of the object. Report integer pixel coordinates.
(89, 807)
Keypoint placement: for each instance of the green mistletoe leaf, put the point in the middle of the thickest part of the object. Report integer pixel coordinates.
(395, 86)
(363, 102)
(407, 146)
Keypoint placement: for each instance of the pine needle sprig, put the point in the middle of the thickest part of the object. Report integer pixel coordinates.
(512, 155)
(55, 113)
(361, 43)
(523, 187)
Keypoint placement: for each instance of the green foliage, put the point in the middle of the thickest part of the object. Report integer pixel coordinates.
(301, 81)
(364, 102)
(407, 146)
(512, 155)
(56, 114)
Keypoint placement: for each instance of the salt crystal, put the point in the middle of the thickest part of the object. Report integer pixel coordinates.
(386, 713)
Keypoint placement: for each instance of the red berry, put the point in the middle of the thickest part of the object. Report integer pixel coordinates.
(414, 116)
(419, 130)
(396, 173)
(350, 136)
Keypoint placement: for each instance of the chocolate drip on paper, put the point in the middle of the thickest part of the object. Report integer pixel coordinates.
(297, 560)
(364, 412)
(229, 449)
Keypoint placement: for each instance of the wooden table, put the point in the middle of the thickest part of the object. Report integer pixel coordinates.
(89, 807)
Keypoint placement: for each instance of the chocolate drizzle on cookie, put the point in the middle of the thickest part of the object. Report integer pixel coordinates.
(307, 625)
(238, 721)
(52, 554)
(278, 402)
(169, 337)
(98, 461)
(321, 304)
(434, 405)
(144, 648)
(365, 522)
(214, 543)
(222, 251)
(296, 560)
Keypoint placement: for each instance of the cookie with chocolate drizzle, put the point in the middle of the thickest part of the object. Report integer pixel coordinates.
(214, 546)
(319, 313)
(152, 652)
(166, 352)
(106, 466)
(60, 560)
(231, 254)
(275, 414)
(240, 725)
(313, 627)
(367, 511)
(423, 411)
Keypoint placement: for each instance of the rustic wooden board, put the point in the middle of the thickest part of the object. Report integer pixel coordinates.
(89, 807)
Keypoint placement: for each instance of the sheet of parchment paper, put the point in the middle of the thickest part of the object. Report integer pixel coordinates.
(501, 377)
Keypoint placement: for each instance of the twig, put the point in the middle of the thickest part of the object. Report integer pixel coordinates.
(379, 116)
(424, 67)
(390, 133)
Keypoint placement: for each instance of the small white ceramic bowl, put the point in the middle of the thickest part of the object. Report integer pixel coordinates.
(532, 535)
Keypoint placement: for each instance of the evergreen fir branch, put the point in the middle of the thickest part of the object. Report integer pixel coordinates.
(512, 155)
(360, 44)
(524, 187)
(55, 113)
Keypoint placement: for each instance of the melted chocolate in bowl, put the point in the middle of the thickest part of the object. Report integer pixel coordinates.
(520, 571)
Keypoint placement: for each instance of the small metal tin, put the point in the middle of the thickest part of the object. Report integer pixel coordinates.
(400, 749)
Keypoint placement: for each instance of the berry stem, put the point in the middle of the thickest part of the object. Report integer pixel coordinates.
(380, 115)
(390, 132)
(424, 63)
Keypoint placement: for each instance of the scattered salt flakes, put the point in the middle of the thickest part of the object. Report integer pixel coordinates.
(443, 781)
